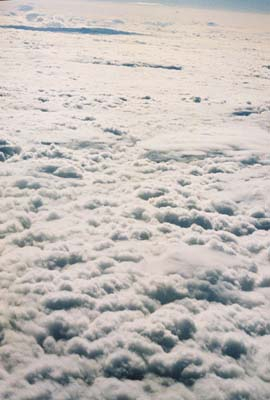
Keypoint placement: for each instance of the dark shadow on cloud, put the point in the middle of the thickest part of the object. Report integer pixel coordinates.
(82, 31)
(132, 65)
(8, 150)
(25, 8)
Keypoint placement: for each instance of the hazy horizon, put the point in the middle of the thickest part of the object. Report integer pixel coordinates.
(240, 5)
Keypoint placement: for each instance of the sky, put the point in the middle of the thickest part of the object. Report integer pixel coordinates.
(243, 5)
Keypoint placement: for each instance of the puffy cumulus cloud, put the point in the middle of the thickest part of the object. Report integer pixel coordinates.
(134, 238)
(214, 388)
(234, 347)
(125, 365)
(61, 370)
(182, 366)
(66, 301)
(113, 388)
(164, 289)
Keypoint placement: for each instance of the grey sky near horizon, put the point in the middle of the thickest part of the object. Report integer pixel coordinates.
(241, 5)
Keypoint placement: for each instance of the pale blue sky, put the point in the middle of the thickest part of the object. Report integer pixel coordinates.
(244, 5)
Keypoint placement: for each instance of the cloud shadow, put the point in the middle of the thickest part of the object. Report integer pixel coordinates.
(82, 31)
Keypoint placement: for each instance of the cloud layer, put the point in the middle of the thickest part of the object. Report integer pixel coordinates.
(135, 216)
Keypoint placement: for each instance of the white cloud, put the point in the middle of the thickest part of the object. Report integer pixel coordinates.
(135, 203)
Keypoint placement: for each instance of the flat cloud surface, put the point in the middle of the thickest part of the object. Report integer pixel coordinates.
(134, 196)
